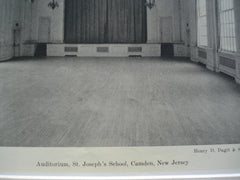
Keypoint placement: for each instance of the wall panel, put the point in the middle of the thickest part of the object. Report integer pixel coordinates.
(9, 16)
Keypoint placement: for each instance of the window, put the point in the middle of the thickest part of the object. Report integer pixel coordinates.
(227, 25)
(202, 23)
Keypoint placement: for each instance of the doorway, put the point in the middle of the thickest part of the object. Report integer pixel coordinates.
(167, 50)
(43, 36)
(166, 33)
(44, 30)
(166, 29)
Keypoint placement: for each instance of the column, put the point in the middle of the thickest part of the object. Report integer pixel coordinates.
(212, 34)
(237, 25)
(193, 30)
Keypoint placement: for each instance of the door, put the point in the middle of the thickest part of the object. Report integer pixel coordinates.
(44, 30)
(166, 29)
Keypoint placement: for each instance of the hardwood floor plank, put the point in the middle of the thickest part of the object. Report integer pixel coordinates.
(81, 102)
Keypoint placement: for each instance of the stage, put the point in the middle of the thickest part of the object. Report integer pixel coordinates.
(112, 50)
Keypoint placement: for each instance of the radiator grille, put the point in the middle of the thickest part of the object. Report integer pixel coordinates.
(103, 49)
(230, 63)
(71, 49)
(134, 49)
(202, 54)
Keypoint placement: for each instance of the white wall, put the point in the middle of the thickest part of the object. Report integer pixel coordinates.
(32, 12)
(56, 16)
(173, 8)
(10, 14)
(165, 8)
(179, 11)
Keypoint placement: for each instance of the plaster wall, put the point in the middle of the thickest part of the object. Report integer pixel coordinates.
(167, 8)
(10, 14)
(39, 9)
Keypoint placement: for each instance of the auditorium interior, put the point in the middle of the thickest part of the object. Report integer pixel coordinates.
(110, 73)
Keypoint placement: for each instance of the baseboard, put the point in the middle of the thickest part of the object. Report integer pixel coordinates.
(5, 58)
(217, 70)
(237, 80)
(210, 67)
(194, 59)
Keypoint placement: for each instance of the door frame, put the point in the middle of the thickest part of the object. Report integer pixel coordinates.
(49, 28)
(160, 28)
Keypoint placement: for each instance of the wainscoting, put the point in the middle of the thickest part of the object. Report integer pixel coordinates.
(6, 51)
(112, 50)
(219, 61)
(227, 64)
(104, 50)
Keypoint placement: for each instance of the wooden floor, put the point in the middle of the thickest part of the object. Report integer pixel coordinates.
(116, 102)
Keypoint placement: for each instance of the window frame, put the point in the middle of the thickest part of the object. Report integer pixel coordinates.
(205, 26)
(233, 46)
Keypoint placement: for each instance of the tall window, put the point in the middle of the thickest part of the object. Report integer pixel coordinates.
(227, 25)
(202, 23)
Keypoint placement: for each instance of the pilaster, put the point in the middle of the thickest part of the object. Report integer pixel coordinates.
(237, 25)
(212, 35)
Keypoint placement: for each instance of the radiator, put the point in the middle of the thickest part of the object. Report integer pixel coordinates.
(71, 49)
(134, 49)
(202, 54)
(103, 49)
(227, 62)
